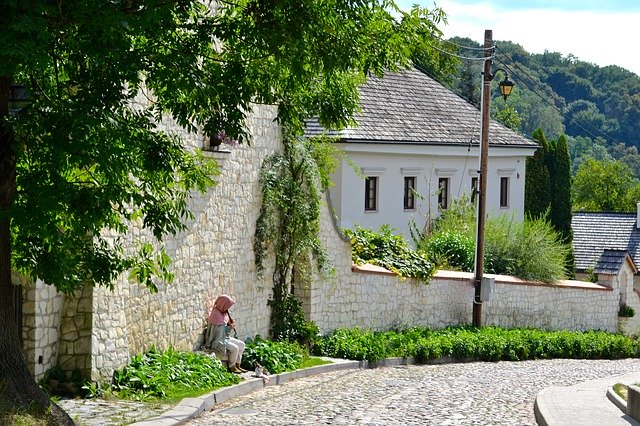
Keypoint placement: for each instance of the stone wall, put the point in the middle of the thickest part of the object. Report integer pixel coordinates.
(372, 298)
(569, 305)
(213, 256)
(41, 309)
(99, 331)
(74, 344)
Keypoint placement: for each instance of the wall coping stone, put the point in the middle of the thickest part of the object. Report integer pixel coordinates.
(504, 279)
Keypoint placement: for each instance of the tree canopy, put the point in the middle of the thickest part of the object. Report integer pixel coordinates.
(605, 186)
(89, 151)
(562, 95)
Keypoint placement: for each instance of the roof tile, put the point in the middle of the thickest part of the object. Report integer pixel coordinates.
(410, 107)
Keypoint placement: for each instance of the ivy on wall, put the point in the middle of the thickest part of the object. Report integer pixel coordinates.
(289, 224)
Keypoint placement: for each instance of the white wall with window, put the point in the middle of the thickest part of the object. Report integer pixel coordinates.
(377, 193)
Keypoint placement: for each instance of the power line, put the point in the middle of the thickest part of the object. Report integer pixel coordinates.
(468, 58)
(552, 94)
(460, 46)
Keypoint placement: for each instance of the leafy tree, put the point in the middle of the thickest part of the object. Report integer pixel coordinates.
(87, 155)
(585, 117)
(604, 186)
(582, 147)
(548, 188)
(508, 116)
(536, 112)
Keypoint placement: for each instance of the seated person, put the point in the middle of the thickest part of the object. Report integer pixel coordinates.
(217, 336)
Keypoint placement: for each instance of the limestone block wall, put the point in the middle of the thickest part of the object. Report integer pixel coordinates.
(370, 298)
(570, 306)
(41, 308)
(374, 299)
(74, 344)
(213, 255)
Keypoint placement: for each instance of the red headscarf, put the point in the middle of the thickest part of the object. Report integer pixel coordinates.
(219, 314)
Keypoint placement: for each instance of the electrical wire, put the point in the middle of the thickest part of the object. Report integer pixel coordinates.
(468, 58)
(523, 81)
(460, 46)
(551, 94)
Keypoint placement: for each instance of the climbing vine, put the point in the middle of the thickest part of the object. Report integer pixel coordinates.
(289, 224)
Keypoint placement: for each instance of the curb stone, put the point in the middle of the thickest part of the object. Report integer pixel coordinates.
(615, 398)
(190, 408)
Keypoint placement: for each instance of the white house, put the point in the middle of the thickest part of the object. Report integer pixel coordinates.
(413, 133)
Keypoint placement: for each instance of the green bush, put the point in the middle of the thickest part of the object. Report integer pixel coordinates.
(468, 342)
(390, 251)
(293, 325)
(353, 344)
(170, 374)
(452, 250)
(531, 250)
(276, 357)
(626, 311)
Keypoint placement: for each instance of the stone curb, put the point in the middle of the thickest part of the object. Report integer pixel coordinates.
(540, 410)
(616, 399)
(190, 408)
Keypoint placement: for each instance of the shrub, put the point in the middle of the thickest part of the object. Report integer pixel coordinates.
(352, 344)
(626, 311)
(274, 356)
(170, 374)
(451, 250)
(531, 250)
(468, 342)
(390, 251)
(293, 325)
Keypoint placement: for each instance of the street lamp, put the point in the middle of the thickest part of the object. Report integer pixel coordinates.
(506, 85)
(505, 90)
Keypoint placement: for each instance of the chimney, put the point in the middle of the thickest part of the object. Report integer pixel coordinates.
(638, 215)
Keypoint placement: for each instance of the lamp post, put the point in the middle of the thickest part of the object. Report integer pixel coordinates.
(505, 89)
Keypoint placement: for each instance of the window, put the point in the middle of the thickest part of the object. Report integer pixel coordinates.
(474, 189)
(443, 193)
(504, 192)
(371, 193)
(409, 195)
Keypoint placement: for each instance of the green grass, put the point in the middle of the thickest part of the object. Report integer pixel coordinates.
(621, 390)
(313, 362)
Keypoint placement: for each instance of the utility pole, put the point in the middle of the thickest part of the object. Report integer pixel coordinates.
(482, 182)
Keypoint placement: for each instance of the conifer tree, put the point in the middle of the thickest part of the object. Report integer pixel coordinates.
(537, 188)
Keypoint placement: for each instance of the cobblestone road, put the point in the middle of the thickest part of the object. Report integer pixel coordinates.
(452, 394)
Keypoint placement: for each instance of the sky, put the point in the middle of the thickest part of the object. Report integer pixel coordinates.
(603, 32)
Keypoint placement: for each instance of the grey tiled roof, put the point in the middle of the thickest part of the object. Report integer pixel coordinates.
(410, 107)
(610, 262)
(595, 232)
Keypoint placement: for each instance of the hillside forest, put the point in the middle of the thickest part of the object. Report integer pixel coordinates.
(597, 108)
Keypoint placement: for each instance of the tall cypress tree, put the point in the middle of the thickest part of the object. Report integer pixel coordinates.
(561, 187)
(537, 185)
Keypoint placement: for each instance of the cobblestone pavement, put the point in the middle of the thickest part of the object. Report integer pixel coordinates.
(109, 412)
(452, 394)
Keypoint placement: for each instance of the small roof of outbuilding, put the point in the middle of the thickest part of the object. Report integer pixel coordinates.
(409, 107)
(611, 262)
(593, 233)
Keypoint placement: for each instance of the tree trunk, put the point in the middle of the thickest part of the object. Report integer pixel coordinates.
(19, 392)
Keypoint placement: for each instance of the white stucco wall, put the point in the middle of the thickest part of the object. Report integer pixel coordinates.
(391, 163)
